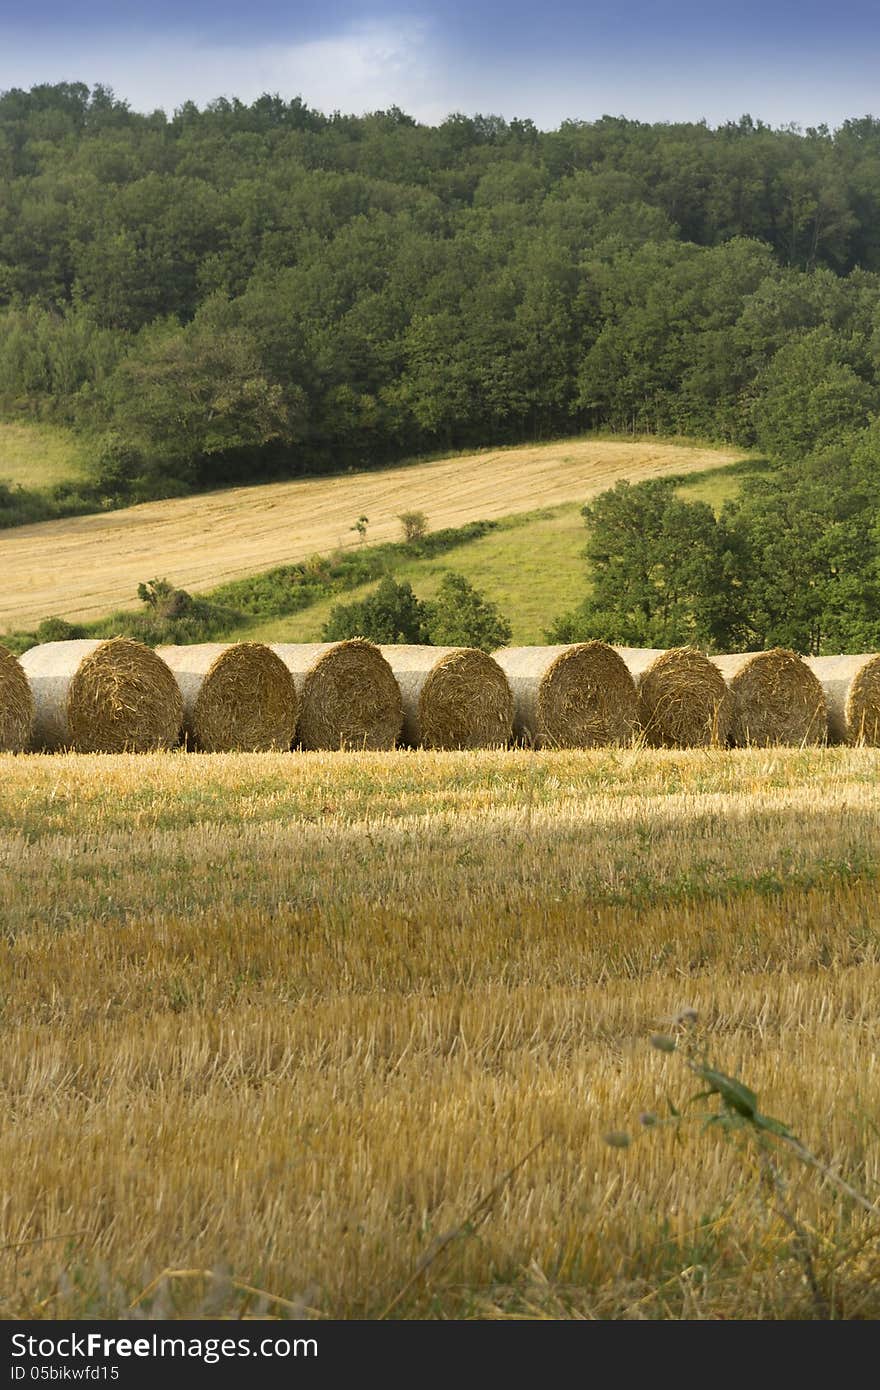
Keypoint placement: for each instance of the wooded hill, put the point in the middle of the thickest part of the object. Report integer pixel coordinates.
(245, 292)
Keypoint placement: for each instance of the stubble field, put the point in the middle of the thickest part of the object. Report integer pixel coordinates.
(285, 1021)
(84, 567)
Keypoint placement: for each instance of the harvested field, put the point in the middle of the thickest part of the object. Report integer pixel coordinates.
(84, 567)
(372, 983)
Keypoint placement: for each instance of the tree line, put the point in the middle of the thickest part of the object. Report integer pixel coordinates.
(793, 561)
(251, 291)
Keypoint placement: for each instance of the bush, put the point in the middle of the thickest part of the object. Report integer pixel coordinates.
(58, 630)
(198, 621)
(391, 614)
(290, 588)
(414, 524)
(461, 617)
(166, 601)
(19, 506)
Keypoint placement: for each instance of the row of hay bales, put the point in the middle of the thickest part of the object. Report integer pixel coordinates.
(110, 696)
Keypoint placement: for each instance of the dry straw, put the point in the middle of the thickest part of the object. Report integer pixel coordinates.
(237, 697)
(852, 689)
(683, 700)
(16, 705)
(348, 697)
(579, 696)
(776, 699)
(453, 697)
(102, 697)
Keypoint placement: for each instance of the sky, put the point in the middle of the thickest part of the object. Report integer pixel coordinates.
(783, 61)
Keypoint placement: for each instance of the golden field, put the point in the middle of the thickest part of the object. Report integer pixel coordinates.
(285, 1020)
(83, 567)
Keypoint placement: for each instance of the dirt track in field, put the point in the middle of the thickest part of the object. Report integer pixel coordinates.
(84, 567)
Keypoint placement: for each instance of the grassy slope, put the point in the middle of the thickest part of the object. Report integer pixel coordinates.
(289, 1016)
(532, 567)
(38, 456)
(83, 567)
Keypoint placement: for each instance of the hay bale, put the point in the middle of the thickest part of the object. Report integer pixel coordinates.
(102, 697)
(16, 705)
(237, 697)
(348, 697)
(453, 697)
(683, 699)
(852, 690)
(579, 696)
(776, 699)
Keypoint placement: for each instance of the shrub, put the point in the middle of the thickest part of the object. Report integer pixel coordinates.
(461, 617)
(58, 630)
(391, 614)
(414, 525)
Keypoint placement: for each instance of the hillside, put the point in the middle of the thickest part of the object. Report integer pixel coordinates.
(249, 292)
(37, 456)
(532, 567)
(82, 567)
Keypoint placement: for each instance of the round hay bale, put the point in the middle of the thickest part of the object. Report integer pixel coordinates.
(102, 697)
(776, 699)
(453, 697)
(348, 697)
(683, 699)
(852, 690)
(579, 696)
(16, 705)
(237, 697)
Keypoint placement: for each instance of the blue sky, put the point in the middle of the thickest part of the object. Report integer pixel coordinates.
(782, 61)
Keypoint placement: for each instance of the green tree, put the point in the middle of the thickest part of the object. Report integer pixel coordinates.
(662, 571)
(809, 554)
(811, 396)
(187, 394)
(460, 616)
(391, 614)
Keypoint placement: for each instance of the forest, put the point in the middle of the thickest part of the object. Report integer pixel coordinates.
(252, 291)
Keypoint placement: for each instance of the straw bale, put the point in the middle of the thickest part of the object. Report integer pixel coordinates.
(348, 697)
(16, 705)
(683, 699)
(237, 697)
(102, 697)
(776, 699)
(852, 690)
(578, 696)
(453, 697)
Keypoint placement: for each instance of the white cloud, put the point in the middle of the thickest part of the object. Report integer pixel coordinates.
(404, 62)
(364, 69)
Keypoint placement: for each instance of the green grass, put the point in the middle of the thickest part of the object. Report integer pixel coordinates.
(531, 566)
(37, 456)
(719, 485)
